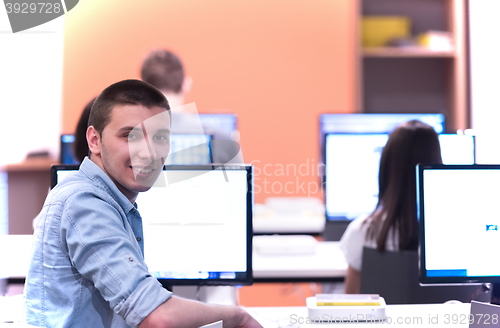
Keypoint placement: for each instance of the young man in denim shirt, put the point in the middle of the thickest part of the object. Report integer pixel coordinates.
(87, 267)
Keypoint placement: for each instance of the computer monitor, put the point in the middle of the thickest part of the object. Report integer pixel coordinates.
(59, 172)
(198, 229)
(197, 223)
(372, 123)
(190, 149)
(66, 151)
(226, 123)
(352, 165)
(459, 223)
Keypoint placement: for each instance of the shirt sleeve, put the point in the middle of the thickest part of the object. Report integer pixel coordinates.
(353, 241)
(101, 246)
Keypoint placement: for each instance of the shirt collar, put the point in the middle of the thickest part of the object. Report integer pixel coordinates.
(102, 180)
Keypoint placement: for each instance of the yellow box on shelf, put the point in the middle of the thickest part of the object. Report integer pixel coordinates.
(377, 31)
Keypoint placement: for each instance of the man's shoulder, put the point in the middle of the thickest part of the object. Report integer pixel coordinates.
(75, 187)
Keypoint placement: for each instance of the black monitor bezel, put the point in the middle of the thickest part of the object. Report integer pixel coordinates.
(424, 279)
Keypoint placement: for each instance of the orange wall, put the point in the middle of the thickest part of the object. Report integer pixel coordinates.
(277, 64)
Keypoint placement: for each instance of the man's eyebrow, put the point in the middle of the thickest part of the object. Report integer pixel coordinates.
(129, 128)
(135, 128)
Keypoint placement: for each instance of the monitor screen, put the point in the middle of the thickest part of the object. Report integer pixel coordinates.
(67, 154)
(190, 149)
(227, 123)
(352, 164)
(197, 223)
(459, 221)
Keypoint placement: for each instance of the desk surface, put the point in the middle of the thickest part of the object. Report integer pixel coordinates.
(33, 164)
(326, 263)
(415, 315)
(15, 250)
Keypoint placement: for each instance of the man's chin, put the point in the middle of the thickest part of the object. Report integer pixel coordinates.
(146, 184)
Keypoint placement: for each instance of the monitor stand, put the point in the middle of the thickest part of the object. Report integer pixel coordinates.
(222, 295)
(334, 230)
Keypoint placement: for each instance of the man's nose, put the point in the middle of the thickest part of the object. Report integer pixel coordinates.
(147, 150)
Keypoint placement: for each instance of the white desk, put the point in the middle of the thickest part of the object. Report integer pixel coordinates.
(15, 253)
(326, 264)
(427, 315)
(416, 315)
(296, 225)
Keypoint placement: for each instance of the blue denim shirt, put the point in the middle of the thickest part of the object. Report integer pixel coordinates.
(87, 267)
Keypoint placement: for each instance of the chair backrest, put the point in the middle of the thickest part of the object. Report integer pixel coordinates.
(395, 276)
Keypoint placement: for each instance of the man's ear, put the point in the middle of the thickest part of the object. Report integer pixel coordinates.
(93, 140)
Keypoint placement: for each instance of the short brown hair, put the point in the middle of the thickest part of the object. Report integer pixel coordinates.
(127, 92)
(164, 70)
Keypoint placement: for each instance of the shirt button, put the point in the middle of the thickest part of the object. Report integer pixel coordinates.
(138, 238)
(131, 259)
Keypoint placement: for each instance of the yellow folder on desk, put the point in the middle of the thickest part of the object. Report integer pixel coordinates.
(348, 303)
(347, 300)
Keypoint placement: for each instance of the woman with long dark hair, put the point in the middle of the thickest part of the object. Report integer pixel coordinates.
(393, 223)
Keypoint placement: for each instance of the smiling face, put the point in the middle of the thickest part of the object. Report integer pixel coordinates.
(132, 147)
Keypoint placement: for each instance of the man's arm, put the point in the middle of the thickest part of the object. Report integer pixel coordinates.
(178, 312)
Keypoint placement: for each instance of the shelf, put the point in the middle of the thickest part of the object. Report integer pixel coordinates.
(413, 52)
(38, 164)
(415, 78)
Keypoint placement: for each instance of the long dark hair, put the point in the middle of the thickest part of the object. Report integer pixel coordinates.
(411, 143)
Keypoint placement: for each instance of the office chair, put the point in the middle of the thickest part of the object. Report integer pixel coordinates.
(395, 276)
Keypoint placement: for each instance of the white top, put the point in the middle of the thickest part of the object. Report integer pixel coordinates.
(354, 239)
